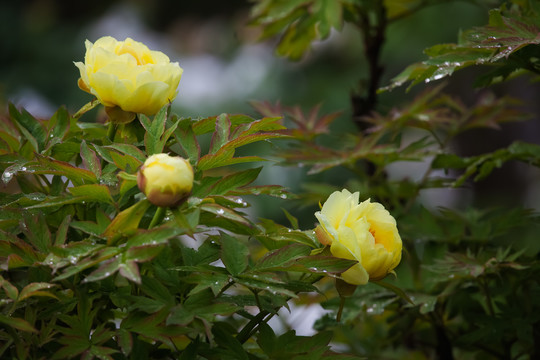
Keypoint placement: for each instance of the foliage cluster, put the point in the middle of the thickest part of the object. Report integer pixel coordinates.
(91, 269)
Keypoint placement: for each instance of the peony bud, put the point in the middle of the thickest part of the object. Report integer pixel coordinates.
(365, 232)
(165, 180)
(128, 75)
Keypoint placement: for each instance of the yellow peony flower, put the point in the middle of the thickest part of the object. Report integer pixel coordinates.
(128, 75)
(365, 232)
(165, 180)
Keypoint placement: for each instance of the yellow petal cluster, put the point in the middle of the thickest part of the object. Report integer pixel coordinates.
(165, 180)
(129, 75)
(364, 231)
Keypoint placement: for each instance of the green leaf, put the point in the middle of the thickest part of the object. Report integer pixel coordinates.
(225, 213)
(214, 281)
(59, 124)
(125, 341)
(128, 149)
(130, 271)
(61, 232)
(234, 254)
(143, 253)
(186, 138)
(126, 222)
(154, 138)
(90, 160)
(17, 323)
(11, 291)
(207, 125)
(235, 180)
(37, 231)
(31, 128)
(106, 269)
(154, 237)
(394, 289)
(321, 264)
(224, 338)
(179, 315)
(292, 219)
(36, 289)
(508, 35)
(125, 162)
(92, 192)
(282, 257)
(221, 133)
(55, 167)
(208, 252)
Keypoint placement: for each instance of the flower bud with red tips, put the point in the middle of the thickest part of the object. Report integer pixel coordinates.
(165, 180)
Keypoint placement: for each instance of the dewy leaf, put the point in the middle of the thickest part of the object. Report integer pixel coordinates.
(59, 124)
(506, 35)
(90, 160)
(234, 254)
(55, 167)
(36, 289)
(130, 271)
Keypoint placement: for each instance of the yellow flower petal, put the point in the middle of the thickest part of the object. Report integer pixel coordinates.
(129, 75)
(365, 232)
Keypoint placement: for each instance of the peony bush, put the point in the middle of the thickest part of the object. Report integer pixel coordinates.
(136, 237)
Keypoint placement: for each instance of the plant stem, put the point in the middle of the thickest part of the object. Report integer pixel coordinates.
(340, 311)
(111, 131)
(373, 32)
(158, 217)
(245, 333)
